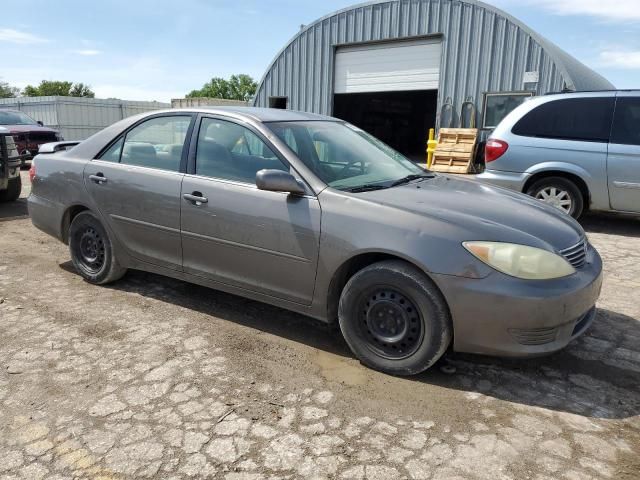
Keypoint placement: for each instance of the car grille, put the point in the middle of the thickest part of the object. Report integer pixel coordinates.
(576, 255)
(41, 137)
(534, 336)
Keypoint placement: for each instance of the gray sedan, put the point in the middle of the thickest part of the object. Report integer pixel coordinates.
(316, 216)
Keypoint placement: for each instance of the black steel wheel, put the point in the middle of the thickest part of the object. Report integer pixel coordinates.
(92, 251)
(394, 318)
(391, 322)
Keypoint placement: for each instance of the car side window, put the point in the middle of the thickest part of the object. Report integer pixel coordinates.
(230, 151)
(626, 124)
(581, 119)
(113, 152)
(156, 143)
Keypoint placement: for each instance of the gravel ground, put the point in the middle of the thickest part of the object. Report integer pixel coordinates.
(156, 378)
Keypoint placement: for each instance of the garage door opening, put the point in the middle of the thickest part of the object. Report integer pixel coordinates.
(400, 119)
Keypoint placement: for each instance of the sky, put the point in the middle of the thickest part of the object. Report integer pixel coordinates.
(162, 49)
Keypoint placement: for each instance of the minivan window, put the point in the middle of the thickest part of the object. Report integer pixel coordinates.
(156, 143)
(581, 119)
(626, 124)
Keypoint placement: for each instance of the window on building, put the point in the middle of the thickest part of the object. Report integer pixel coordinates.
(278, 102)
(626, 124)
(500, 104)
(581, 119)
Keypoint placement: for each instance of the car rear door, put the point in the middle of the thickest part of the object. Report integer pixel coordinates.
(136, 183)
(623, 164)
(235, 234)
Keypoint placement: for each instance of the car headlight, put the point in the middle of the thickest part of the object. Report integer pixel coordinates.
(520, 261)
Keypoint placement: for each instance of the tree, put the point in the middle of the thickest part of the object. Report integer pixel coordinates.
(238, 87)
(7, 91)
(58, 88)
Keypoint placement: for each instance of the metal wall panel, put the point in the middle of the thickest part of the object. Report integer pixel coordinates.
(388, 67)
(79, 118)
(484, 49)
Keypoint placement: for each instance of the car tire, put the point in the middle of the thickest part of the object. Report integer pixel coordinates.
(92, 251)
(565, 189)
(12, 193)
(414, 328)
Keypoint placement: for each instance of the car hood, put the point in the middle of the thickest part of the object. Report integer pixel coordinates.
(28, 128)
(485, 213)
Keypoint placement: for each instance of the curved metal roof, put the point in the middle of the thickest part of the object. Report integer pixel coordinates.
(576, 75)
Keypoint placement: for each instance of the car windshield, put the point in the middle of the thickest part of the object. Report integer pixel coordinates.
(15, 118)
(346, 157)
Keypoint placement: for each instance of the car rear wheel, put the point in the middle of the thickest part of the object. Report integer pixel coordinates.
(12, 193)
(560, 193)
(92, 251)
(394, 318)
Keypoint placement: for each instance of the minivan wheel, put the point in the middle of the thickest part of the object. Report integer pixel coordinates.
(92, 251)
(394, 318)
(12, 193)
(560, 193)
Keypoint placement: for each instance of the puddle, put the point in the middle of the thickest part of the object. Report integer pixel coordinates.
(338, 369)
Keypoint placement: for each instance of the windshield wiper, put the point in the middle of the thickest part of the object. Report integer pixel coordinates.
(366, 188)
(411, 178)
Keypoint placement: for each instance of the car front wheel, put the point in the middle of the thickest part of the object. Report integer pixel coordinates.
(92, 251)
(560, 193)
(394, 318)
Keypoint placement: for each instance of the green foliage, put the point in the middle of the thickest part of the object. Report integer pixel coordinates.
(7, 91)
(238, 87)
(58, 88)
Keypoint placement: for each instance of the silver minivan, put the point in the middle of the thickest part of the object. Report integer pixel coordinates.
(575, 151)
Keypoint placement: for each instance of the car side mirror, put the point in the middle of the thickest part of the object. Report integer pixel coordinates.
(39, 122)
(278, 181)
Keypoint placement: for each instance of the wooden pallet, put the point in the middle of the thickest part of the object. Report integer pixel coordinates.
(455, 150)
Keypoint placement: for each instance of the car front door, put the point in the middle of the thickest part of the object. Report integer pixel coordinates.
(136, 183)
(623, 164)
(234, 233)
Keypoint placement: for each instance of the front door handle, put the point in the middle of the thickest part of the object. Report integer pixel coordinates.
(195, 197)
(98, 178)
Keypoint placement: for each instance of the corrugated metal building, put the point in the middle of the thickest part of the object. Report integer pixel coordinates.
(194, 102)
(78, 118)
(389, 66)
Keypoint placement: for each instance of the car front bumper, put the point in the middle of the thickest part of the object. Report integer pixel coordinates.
(511, 180)
(505, 316)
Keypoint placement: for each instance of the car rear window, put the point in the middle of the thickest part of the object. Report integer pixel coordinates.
(581, 119)
(626, 125)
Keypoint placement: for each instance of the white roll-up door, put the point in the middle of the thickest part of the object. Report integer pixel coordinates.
(388, 67)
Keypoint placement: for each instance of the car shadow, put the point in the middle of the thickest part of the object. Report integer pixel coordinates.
(14, 210)
(612, 223)
(596, 376)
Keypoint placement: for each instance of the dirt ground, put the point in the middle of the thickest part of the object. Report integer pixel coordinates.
(153, 377)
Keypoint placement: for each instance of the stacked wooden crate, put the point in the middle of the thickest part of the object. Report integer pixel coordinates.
(455, 151)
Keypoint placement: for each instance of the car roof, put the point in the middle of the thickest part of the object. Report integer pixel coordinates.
(263, 115)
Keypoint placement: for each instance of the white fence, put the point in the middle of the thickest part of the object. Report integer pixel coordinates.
(78, 118)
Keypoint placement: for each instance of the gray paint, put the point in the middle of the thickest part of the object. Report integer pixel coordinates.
(294, 251)
(484, 49)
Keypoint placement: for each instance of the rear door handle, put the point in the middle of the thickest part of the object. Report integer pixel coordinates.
(99, 178)
(195, 197)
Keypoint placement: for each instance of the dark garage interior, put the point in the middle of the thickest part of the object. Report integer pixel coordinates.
(400, 119)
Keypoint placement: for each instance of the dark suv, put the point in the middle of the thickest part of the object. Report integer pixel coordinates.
(10, 184)
(27, 133)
